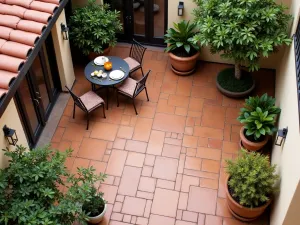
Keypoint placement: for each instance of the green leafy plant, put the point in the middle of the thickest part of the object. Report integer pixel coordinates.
(259, 116)
(242, 30)
(96, 205)
(93, 27)
(251, 179)
(37, 189)
(180, 39)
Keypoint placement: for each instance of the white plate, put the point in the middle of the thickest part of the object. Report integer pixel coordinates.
(101, 60)
(116, 74)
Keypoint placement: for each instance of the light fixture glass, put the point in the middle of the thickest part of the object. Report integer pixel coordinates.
(281, 136)
(64, 31)
(180, 8)
(11, 135)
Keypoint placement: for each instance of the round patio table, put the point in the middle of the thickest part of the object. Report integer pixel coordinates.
(117, 64)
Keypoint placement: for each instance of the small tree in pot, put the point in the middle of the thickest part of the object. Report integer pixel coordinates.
(258, 117)
(183, 50)
(243, 31)
(93, 28)
(249, 185)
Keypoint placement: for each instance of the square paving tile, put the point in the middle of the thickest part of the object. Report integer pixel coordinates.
(202, 200)
(116, 162)
(105, 131)
(165, 168)
(165, 202)
(92, 149)
(169, 123)
(134, 206)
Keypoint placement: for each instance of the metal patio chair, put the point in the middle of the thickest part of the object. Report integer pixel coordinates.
(132, 88)
(87, 102)
(135, 58)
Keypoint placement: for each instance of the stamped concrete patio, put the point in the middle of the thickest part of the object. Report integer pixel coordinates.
(166, 165)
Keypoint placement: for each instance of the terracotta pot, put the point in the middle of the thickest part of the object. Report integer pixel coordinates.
(252, 146)
(94, 55)
(241, 212)
(99, 218)
(183, 65)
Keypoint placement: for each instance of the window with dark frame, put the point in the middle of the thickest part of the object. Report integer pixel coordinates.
(297, 60)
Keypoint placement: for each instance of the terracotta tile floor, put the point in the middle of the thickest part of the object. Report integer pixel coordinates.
(166, 165)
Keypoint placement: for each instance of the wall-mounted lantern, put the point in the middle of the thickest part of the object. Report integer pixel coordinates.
(180, 8)
(64, 31)
(281, 136)
(11, 135)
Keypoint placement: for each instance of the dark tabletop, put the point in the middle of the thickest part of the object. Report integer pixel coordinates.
(117, 62)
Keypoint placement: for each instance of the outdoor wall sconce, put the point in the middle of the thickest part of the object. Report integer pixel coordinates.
(180, 8)
(281, 136)
(11, 135)
(64, 31)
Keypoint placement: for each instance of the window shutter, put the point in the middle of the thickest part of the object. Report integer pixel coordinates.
(297, 59)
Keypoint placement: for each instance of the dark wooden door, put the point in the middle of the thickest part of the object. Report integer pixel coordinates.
(143, 20)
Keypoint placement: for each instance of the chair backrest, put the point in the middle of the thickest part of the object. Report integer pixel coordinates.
(77, 100)
(137, 51)
(141, 84)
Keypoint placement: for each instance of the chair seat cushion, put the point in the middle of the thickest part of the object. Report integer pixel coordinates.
(133, 64)
(128, 86)
(91, 100)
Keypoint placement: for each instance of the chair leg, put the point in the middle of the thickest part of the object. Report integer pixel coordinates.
(104, 111)
(88, 121)
(134, 106)
(74, 111)
(142, 71)
(147, 94)
(117, 99)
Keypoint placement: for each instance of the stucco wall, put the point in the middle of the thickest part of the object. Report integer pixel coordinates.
(11, 119)
(63, 54)
(287, 157)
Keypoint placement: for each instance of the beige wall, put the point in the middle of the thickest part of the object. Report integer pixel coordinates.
(287, 157)
(11, 119)
(63, 54)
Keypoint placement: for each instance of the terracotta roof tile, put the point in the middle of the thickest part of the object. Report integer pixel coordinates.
(21, 24)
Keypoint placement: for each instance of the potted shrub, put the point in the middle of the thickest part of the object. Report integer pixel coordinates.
(36, 188)
(249, 185)
(95, 207)
(242, 32)
(258, 117)
(93, 28)
(183, 51)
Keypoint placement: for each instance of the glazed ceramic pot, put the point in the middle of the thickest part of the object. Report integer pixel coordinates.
(183, 65)
(241, 212)
(99, 218)
(252, 146)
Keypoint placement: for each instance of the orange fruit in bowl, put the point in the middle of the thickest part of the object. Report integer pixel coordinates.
(108, 65)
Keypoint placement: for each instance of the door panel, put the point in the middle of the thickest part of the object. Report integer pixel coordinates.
(143, 20)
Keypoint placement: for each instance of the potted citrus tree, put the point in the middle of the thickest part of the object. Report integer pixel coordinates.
(244, 32)
(93, 28)
(183, 50)
(249, 185)
(258, 117)
(36, 188)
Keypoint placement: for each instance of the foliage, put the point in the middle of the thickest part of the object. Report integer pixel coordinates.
(251, 178)
(180, 38)
(242, 30)
(96, 205)
(93, 27)
(259, 116)
(31, 188)
(227, 81)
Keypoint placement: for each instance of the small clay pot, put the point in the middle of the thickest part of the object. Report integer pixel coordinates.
(183, 65)
(241, 212)
(252, 146)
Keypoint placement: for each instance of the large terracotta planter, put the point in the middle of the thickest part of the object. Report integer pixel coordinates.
(99, 218)
(252, 146)
(241, 212)
(183, 65)
(94, 55)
